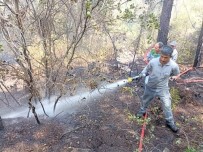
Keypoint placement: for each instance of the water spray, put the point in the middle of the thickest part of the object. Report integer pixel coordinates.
(69, 104)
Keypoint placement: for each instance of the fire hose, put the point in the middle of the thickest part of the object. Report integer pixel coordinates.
(185, 81)
(142, 133)
(130, 79)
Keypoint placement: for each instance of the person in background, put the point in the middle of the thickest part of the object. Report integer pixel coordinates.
(175, 52)
(154, 52)
(160, 70)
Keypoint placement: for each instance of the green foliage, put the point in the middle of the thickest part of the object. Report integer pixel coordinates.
(175, 97)
(131, 117)
(88, 6)
(42, 2)
(178, 141)
(1, 47)
(140, 121)
(127, 89)
(128, 14)
(119, 8)
(156, 110)
(190, 149)
(150, 23)
(132, 6)
(188, 55)
(149, 39)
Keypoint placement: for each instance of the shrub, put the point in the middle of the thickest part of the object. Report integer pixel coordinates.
(175, 97)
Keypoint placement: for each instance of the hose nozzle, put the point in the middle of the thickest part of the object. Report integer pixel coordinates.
(130, 79)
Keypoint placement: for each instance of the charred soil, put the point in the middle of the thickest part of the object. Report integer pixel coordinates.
(109, 125)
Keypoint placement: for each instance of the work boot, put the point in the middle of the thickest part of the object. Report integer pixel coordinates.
(172, 126)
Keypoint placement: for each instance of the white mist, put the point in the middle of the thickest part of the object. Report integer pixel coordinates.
(67, 104)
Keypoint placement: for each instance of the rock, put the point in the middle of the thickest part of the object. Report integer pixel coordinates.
(72, 149)
(166, 150)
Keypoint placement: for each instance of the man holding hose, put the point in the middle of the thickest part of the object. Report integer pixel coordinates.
(160, 70)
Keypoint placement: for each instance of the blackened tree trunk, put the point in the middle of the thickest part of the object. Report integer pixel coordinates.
(164, 21)
(199, 49)
(1, 124)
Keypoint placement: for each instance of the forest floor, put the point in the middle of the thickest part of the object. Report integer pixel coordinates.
(110, 125)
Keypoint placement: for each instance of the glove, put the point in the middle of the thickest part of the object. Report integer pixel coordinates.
(173, 78)
(137, 78)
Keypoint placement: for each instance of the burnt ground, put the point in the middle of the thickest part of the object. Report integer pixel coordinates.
(110, 125)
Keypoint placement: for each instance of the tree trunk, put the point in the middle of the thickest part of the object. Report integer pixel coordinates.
(164, 21)
(1, 124)
(197, 59)
(114, 47)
